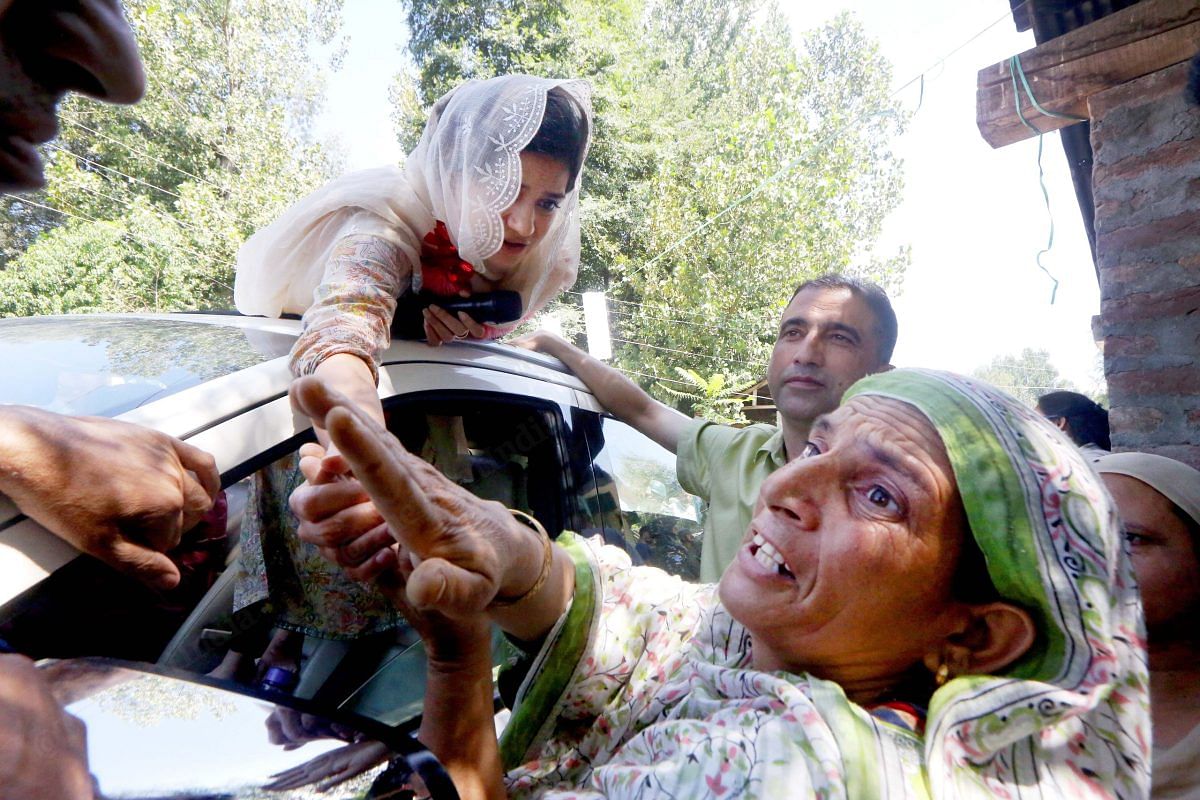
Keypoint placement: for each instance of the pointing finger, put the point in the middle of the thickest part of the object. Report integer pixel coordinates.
(385, 470)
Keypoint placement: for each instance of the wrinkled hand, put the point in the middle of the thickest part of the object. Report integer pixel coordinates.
(337, 516)
(463, 551)
(331, 768)
(43, 750)
(119, 492)
(441, 326)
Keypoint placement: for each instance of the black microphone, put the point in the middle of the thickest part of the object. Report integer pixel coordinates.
(485, 307)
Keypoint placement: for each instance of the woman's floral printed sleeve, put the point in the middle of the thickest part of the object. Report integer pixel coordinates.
(353, 307)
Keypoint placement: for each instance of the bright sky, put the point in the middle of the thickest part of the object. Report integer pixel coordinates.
(973, 216)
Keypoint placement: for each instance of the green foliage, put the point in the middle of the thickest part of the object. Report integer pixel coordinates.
(706, 115)
(152, 201)
(1026, 377)
(711, 398)
(456, 40)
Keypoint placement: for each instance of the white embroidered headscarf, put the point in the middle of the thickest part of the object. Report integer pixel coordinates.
(465, 172)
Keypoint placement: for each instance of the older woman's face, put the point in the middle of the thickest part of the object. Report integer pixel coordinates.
(528, 219)
(847, 566)
(1163, 554)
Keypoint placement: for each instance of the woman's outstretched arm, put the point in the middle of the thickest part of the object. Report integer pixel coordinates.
(457, 725)
(467, 552)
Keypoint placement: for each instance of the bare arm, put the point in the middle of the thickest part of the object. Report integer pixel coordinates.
(350, 375)
(457, 723)
(623, 398)
(116, 491)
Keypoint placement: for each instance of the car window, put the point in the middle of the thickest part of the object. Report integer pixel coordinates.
(503, 449)
(102, 366)
(639, 498)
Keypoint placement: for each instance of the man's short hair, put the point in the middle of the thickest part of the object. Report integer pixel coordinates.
(886, 326)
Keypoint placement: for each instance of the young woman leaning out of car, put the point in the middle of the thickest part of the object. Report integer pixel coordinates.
(488, 201)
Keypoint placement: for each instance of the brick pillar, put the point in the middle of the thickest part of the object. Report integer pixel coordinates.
(1146, 182)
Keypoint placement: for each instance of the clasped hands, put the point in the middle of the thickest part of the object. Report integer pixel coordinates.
(442, 554)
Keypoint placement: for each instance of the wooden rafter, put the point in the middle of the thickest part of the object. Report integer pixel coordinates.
(1064, 72)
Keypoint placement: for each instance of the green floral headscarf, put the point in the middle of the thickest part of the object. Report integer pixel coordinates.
(647, 689)
(1070, 718)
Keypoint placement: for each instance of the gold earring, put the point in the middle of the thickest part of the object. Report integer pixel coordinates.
(942, 675)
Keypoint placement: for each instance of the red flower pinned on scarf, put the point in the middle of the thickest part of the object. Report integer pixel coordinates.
(442, 271)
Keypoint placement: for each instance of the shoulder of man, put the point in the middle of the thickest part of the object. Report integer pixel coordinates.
(704, 442)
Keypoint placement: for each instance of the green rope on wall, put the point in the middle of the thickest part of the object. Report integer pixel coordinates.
(1015, 71)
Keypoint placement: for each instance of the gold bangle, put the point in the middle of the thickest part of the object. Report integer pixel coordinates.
(547, 562)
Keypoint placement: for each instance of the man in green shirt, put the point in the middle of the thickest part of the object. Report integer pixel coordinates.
(834, 331)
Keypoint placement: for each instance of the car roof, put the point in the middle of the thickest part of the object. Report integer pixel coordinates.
(230, 406)
(106, 364)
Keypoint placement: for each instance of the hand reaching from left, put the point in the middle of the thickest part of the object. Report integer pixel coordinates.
(116, 491)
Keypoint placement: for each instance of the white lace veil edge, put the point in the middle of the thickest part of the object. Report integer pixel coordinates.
(477, 131)
(467, 169)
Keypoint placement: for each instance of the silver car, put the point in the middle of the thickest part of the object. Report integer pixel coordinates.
(525, 432)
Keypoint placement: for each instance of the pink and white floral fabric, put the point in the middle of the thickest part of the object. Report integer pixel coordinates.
(644, 688)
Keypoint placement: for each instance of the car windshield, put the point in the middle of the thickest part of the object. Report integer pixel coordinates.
(103, 366)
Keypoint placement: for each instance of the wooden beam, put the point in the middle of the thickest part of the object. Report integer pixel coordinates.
(1064, 72)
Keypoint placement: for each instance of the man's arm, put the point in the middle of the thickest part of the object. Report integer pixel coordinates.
(623, 398)
(119, 492)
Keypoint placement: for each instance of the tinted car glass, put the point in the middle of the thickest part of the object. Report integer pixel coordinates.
(641, 501)
(497, 447)
(104, 367)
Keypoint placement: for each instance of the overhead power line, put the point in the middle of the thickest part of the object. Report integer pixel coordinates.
(761, 364)
(142, 153)
(153, 211)
(111, 170)
(132, 237)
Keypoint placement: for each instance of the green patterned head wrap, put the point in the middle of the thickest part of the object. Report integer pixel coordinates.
(1076, 705)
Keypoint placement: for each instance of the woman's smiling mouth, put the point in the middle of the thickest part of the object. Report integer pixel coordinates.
(769, 558)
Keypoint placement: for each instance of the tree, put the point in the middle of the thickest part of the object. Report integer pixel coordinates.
(711, 398)
(707, 119)
(146, 205)
(455, 40)
(1026, 377)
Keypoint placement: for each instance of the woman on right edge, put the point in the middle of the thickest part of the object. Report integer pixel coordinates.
(934, 603)
(1158, 499)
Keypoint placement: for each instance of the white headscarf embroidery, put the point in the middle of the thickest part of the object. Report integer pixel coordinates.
(465, 171)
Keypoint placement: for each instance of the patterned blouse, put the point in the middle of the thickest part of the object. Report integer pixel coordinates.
(353, 307)
(664, 703)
